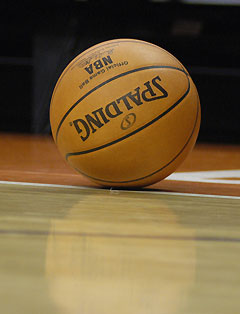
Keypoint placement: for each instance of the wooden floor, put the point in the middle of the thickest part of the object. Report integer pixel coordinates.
(36, 159)
(70, 247)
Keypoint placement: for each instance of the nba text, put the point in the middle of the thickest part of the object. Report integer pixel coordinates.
(98, 64)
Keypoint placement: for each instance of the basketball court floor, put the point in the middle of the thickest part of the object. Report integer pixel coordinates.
(68, 246)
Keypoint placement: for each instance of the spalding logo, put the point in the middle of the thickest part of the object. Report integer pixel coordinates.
(128, 121)
(91, 122)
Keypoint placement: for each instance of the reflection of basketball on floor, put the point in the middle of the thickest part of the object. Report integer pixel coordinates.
(125, 113)
(101, 263)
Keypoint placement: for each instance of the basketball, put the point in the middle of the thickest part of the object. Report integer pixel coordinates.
(125, 113)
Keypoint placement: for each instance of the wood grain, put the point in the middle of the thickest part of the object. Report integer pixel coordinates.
(29, 158)
(100, 251)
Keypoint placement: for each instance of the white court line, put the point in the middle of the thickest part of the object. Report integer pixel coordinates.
(216, 176)
(112, 190)
(46, 185)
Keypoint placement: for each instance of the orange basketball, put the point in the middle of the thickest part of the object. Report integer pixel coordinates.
(125, 113)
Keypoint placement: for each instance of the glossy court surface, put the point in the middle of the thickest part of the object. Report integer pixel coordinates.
(68, 246)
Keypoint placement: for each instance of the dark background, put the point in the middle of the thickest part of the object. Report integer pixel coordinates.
(39, 38)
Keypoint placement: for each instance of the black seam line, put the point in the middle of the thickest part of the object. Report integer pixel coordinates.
(151, 174)
(119, 236)
(134, 132)
(110, 80)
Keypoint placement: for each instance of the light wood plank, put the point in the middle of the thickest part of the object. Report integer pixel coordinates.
(99, 251)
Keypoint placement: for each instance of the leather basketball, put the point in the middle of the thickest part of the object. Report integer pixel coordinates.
(125, 113)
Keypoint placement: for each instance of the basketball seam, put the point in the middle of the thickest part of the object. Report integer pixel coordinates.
(135, 131)
(156, 171)
(108, 81)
